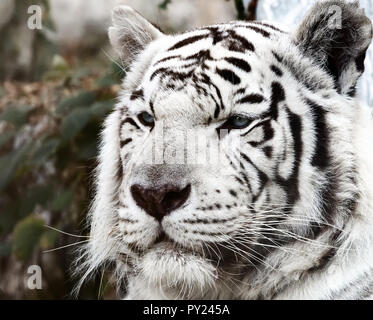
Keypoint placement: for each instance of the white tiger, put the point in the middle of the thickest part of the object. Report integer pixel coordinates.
(285, 214)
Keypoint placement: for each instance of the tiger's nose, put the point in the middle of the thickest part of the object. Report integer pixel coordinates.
(159, 202)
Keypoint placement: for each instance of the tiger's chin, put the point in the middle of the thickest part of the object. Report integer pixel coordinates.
(176, 272)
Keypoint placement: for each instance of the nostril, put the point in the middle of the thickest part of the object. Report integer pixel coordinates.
(175, 199)
(139, 195)
(160, 201)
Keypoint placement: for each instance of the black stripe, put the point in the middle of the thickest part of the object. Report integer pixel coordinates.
(217, 107)
(239, 180)
(278, 95)
(252, 98)
(359, 61)
(188, 41)
(244, 44)
(240, 91)
(124, 142)
(276, 70)
(166, 59)
(295, 123)
(263, 178)
(233, 193)
(200, 55)
(278, 57)
(130, 121)
(228, 75)
(264, 33)
(188, 65)
(137, 94)
(173, 74)
(206, 79)
(268, 25)
(268, 133)
(352, 91)
(268, 151)
(261, 123)
(119, 174)
(291, 185)
(311, 84)
(222, 106)
(245, 177)
(239, 63)
(156, 72)
(242, 172)
(217, 111)
(321, 157)
(323, 261)
(151, 105)
(217, 35)
(201, 90)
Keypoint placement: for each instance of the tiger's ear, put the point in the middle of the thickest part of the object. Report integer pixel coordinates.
(130, 33)
(337, 34)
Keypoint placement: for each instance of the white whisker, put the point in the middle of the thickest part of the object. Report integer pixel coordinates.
(66, 246)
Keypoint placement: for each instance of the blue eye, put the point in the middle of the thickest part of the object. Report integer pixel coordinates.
(236, 122)
(146, 119)
(240, 121)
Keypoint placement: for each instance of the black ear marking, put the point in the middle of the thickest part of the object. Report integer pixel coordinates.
(337, 34)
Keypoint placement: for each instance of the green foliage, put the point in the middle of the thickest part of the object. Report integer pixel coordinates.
(82, 99)
(45, 176)
(16, 115)
(48, 239)
(71, 146)
(44, 149)
(74, 123)
(163, 5)
(62, 200)
(11, 163)
(13, 51)
(26, 236)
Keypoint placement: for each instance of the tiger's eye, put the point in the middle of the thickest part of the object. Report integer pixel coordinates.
(240, 121)
(236, 122)
(146, 119)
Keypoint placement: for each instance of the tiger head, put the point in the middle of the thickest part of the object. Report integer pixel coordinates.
(229, 149)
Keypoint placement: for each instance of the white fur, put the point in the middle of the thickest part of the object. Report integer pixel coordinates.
(124, 233)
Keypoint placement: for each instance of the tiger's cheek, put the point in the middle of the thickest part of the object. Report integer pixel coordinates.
(266, 146)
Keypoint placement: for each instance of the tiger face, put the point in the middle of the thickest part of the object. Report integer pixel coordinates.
(222, 148)
(210, 88)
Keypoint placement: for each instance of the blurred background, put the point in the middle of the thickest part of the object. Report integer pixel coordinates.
(58, 80)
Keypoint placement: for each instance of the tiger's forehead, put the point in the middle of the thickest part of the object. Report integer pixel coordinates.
(240, 40)
(213, 64)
